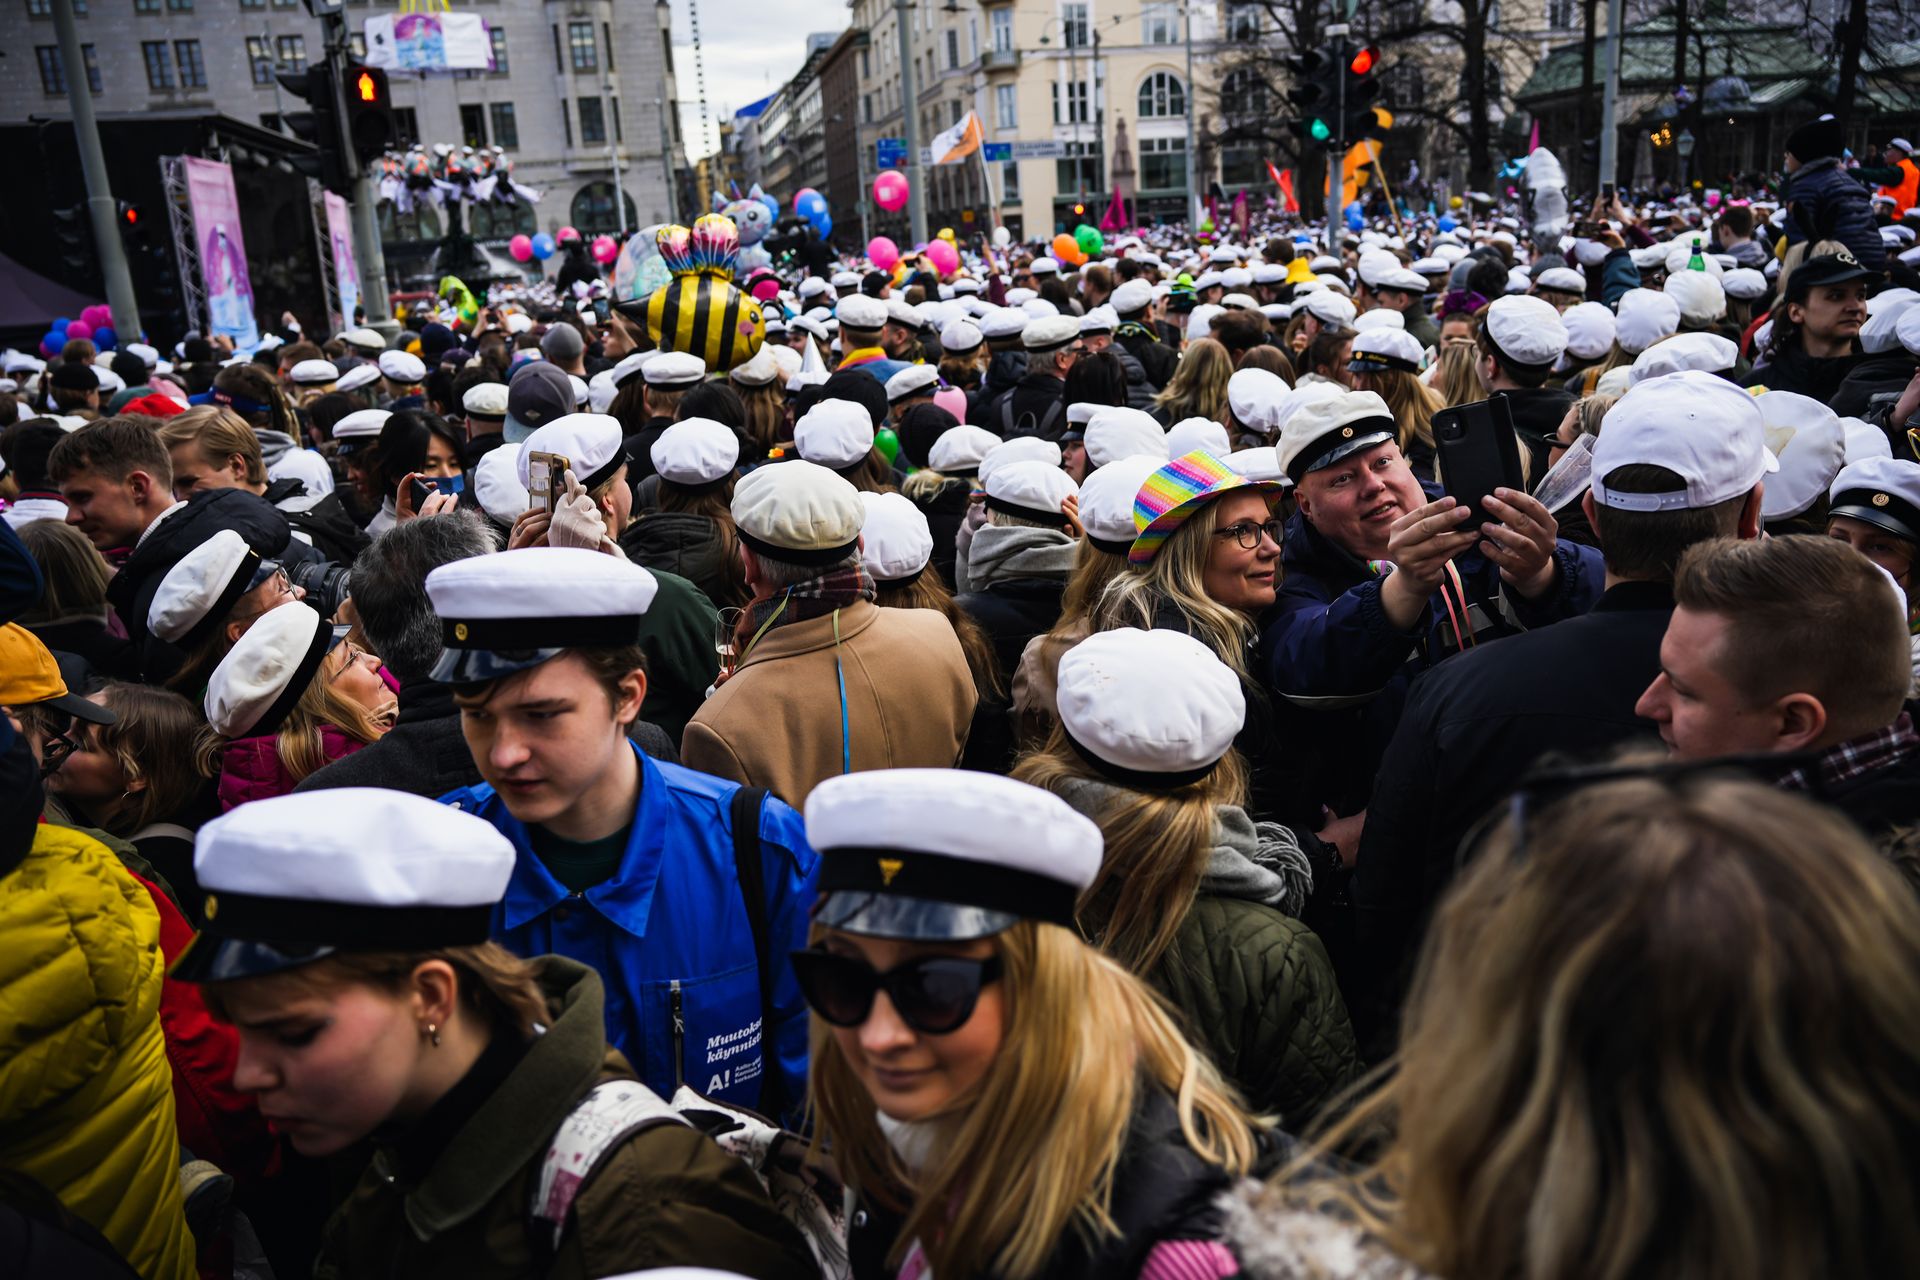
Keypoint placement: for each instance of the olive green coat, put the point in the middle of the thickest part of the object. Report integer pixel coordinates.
(665, 1197)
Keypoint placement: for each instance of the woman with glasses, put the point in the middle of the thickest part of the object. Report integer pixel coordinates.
(1667, 1026)
(1001, 1098)
(208, 600)
(1193, 896)
(1206, 561)
(293, 694)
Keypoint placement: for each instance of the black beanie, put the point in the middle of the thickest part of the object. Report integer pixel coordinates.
(863, 389)
(920, 426)
(1816, 140)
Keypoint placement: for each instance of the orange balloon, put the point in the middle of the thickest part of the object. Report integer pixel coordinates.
(1067, 249)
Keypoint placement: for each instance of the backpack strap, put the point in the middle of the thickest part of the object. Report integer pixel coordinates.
(1006, 416)
(610, 1114)
(747, 805)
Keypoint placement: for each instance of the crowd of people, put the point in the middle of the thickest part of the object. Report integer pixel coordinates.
(1035, 773)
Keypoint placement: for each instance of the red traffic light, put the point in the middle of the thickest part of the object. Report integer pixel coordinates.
(367, 87)
(1363, 61)
(132, 217)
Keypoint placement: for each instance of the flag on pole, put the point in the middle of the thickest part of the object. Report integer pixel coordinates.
(953, 145)
(1533, 138)
(1283, 179)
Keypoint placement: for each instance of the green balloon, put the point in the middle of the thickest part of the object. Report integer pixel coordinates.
(1090, 240)
(887, 443)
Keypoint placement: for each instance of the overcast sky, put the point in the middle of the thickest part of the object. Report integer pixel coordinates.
(750, 49)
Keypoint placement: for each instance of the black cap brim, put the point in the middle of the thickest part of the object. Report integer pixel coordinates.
(886, 915)
(81, 709)
(1878, 519)
(211, 959)
(480, 666)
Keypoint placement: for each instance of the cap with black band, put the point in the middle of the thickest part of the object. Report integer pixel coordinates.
(202, 587)
(1322, 432)
(260, 681)
(1883, 492)
(945, 854)
(296, 878)
(592, 444)
(798, 512)
(504, 613)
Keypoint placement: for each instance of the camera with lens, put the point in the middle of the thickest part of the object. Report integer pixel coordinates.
(325, 583)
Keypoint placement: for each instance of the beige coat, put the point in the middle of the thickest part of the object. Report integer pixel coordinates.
(776, 722)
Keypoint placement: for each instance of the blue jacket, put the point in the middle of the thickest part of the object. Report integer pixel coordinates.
(669, 935)
(1617, 276)
(1326, 645)
(20, 583)
(1825, 202)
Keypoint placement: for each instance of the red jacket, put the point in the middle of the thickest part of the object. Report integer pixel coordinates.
(251, 768)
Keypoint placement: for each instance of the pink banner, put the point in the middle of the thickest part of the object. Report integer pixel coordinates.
(223, 253)
(346, 272)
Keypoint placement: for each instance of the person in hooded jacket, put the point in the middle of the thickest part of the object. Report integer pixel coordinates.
(508, 1138)
(1823, 200)
(1016, 567)
(1132, 302)
(1006, 361)
(690, 530)
(212, 447)
(252, 393)
(1194, 896)
(1018, 1104)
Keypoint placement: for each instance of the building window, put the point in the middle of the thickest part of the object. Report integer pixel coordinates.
(1074, 18)
(146, 6)
(52, 79)
(260, 59)
(1243, 94)
(497, 37)
(581, 48)
(1159, 24)
(406, 127)
(1005, 112)
(866, 65)
(93, 62)
(1000, 24)
(159, 66)
(1081, 171)
(1163, 164)
(491, 221)
(473, 124)
(1010, 180)
(953, 48)
(179, 6)
(593, 121)
(593, 210)
(193, 67)
(39, 8)
(1241, 167)
(566, 121)
(606, 33)
(558, 65)
(1563, 15)
(506, 128)
(253, 4)
(1077, 104)
(293, 53)
(1243, 22)
(1161, 96)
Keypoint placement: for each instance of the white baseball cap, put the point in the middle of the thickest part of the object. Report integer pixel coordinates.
(1697, 425)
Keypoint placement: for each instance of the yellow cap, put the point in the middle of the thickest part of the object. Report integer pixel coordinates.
(1299, 271)
(29, 674)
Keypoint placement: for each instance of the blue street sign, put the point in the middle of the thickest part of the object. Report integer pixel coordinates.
(890, 153)
(997, 152)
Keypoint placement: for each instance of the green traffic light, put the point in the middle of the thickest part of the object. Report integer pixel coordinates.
(1320, 131)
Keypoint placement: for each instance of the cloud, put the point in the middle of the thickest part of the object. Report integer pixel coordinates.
(749, 51)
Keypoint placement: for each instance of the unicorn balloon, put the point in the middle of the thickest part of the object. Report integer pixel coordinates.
(752, 214)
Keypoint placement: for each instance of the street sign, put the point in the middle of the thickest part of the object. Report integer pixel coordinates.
(890, 153)
(1048, 150)
(997, 152)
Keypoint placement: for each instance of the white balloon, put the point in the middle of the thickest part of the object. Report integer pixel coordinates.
(1002, 237)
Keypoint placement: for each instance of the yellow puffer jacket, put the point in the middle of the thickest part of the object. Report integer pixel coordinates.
(86, 1096)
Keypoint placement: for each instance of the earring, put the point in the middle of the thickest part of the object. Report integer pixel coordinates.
(433, 1034)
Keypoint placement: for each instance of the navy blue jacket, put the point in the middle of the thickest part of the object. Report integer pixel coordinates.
(1825, 202)
(20, 583)
(1326, 645)
(669, 934)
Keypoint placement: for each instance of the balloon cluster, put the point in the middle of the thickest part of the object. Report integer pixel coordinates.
(812, 206)
(94, 325)
(1081, 244)
(542, 246)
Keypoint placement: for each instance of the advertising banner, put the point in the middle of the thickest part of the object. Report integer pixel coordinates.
(345, 273)
(429, 42)
(223, 254)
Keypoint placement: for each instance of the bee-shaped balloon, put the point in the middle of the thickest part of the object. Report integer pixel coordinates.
(699, 311)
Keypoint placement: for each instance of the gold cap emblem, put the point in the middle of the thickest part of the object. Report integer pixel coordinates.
(459, 631)
(1881, 499)
(1346, 433)
(212, 907)
(889, 868)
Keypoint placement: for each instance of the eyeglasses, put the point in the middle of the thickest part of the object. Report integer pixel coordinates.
(1248, 534)
(934, 995)
(353, 655)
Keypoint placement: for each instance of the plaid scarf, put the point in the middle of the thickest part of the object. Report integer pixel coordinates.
(814, 598)
(1857, 757)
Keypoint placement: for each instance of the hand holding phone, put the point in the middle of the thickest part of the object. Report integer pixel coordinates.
(1478, 453)
(546, 474)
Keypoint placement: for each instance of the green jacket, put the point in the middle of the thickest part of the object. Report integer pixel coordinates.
(1257, 993)
(665, 1197)
(677, 635)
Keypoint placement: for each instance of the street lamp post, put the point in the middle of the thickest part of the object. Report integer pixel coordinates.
(1193, 182)
(666, 158)
(1683, 147)
(910, 110)
(613, 153)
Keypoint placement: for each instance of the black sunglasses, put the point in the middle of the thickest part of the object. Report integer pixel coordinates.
(934, 994)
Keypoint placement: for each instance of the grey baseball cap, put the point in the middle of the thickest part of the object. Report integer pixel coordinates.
(539, 393)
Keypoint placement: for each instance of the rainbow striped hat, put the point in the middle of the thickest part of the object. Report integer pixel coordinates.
(1173, 493)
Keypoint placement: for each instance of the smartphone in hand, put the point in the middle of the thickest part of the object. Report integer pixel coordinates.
(1478, 452)
(546, 478)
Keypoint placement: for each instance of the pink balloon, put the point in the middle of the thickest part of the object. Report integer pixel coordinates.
(520, 248)
(97, 314)
(79, 329)
(953, 400)
(767, 289)
(890, 191)
(944, 257)
(882, 253)
(605, 249)
(566, 235)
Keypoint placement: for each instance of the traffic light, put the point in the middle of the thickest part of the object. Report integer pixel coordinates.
(1315, 82)
(150, 265)
(318, 124)
(76, 241)
(1359, 64)
(370, 122)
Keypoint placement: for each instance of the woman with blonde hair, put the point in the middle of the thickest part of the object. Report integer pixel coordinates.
(1455, 375)
(1019, 1105)
(1193, 896)
(1689, 1011)
(1198, 388)
(1387, 361)
(293, 694)
(71, 613)
(942, 455)
(350, 953)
